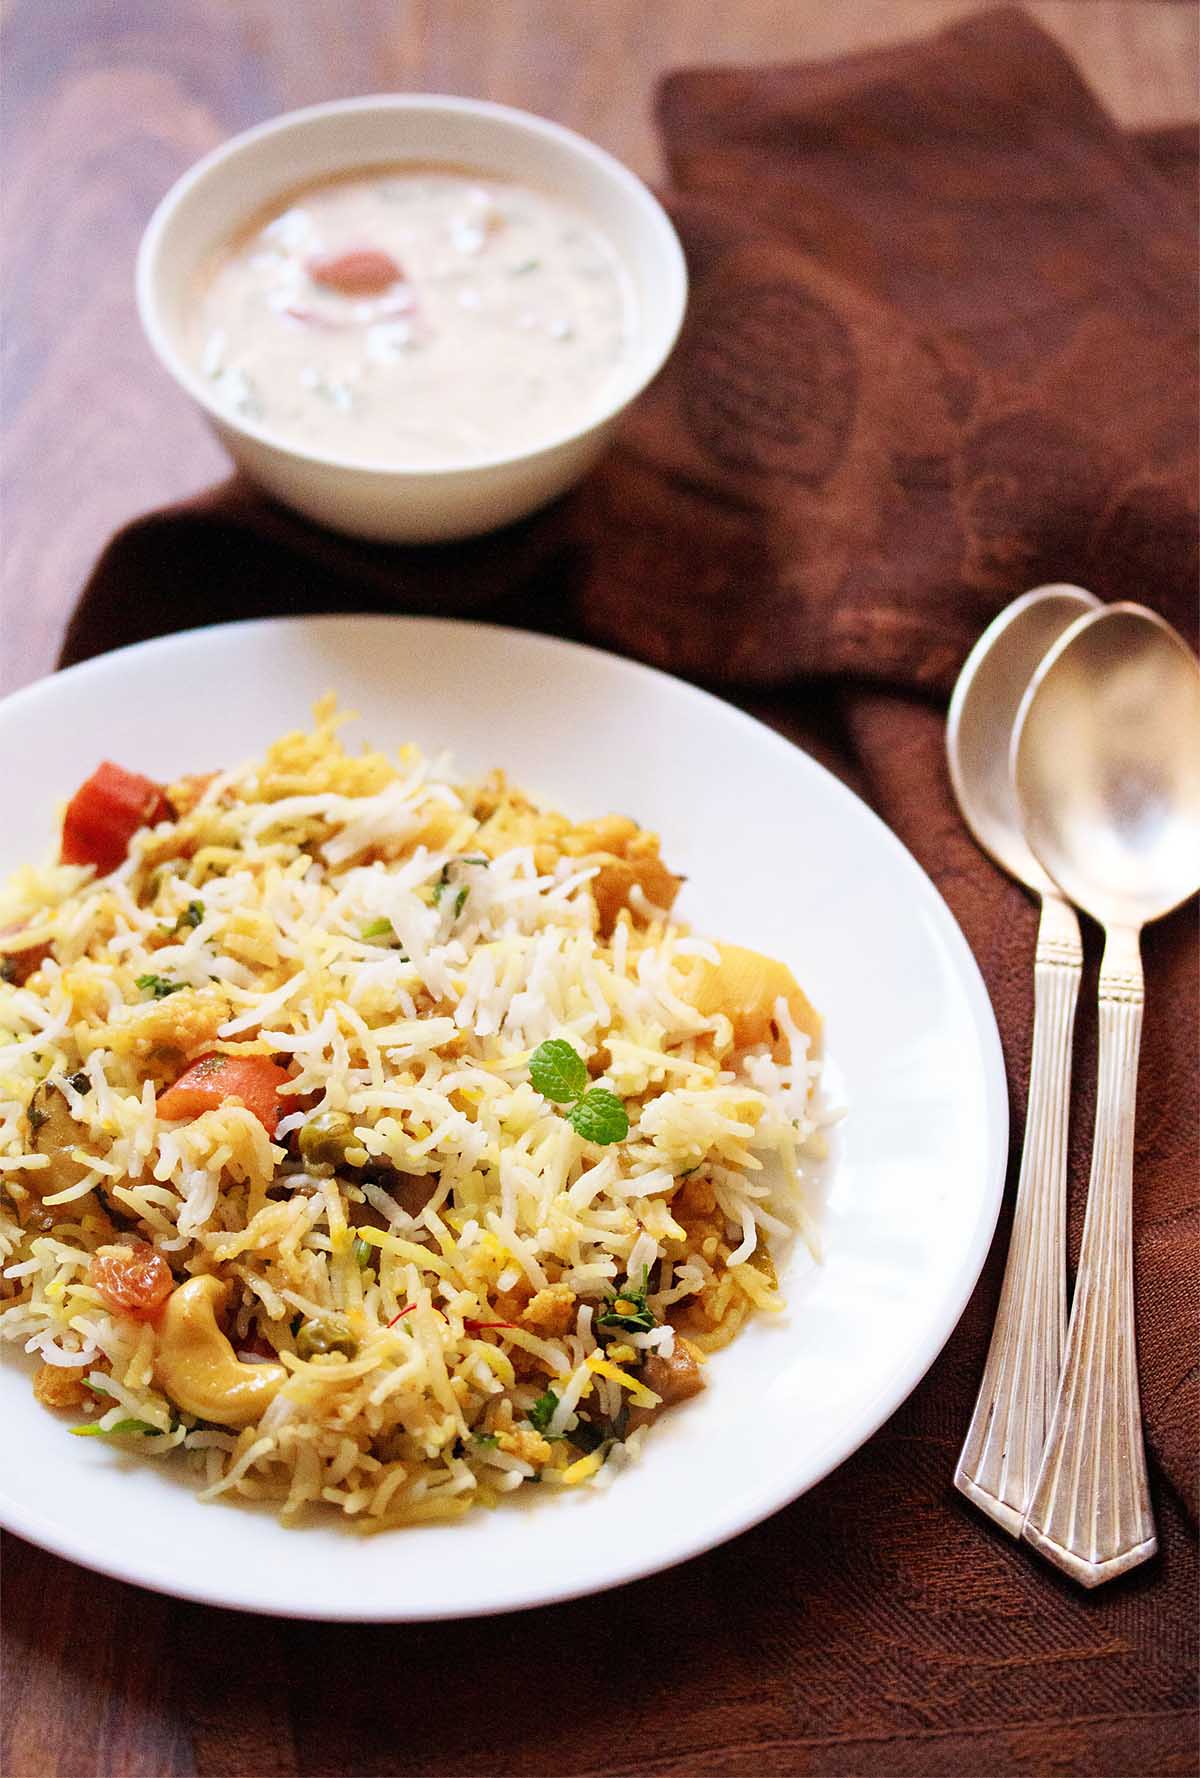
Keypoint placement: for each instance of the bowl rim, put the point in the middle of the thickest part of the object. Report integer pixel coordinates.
(635, 190)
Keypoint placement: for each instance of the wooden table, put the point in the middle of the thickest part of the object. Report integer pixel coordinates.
(106, 102)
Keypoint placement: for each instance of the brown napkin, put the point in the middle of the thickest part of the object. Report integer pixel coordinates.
(940, 348)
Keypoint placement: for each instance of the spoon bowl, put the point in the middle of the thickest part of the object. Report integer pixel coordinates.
(983, 714)
(1107, 769)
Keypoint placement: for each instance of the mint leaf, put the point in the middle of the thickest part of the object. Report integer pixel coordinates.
(599, 1117)
(558, 1071)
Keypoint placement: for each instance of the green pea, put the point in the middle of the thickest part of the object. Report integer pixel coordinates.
(328, 1140)
(319, 1338)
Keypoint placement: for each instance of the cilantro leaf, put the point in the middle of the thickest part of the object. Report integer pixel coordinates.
(542, 1411)
(557, 1071)
(439, 889)
(490, 1439)
(628, 1309)
(157, 986)
(599, 1117)
(192, 915)
(628, 1320)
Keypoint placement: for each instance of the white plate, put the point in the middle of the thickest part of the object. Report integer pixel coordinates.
(778, 855)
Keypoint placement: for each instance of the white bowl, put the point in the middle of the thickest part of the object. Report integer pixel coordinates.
(211, 201)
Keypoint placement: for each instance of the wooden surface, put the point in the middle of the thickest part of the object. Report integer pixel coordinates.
(105, 102)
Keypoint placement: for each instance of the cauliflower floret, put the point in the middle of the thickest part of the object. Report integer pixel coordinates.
(60, 1385)
(530, 1446)
(552, 1310)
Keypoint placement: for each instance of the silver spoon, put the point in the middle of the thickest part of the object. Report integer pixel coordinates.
(1106, 766)
(1003, 1446)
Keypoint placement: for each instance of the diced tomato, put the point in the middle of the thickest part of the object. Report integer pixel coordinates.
(136, 1281)
(363, 271)
(255, 1080)
(105, 813)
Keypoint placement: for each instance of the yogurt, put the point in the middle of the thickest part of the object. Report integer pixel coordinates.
(414, 316)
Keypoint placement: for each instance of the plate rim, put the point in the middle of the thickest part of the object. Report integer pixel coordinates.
(61, 1541)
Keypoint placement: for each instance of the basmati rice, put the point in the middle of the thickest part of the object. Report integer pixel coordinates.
(435, 1303)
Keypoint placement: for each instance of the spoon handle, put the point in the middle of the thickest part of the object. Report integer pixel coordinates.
(1090, 1513)
(1003, 1446)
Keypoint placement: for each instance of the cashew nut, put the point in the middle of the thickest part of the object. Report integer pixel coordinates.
(196, 1365)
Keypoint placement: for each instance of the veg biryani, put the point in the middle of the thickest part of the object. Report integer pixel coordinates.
(377, 1139)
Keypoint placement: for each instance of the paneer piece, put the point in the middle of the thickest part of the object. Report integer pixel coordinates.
(612, 888)
(628, 857)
